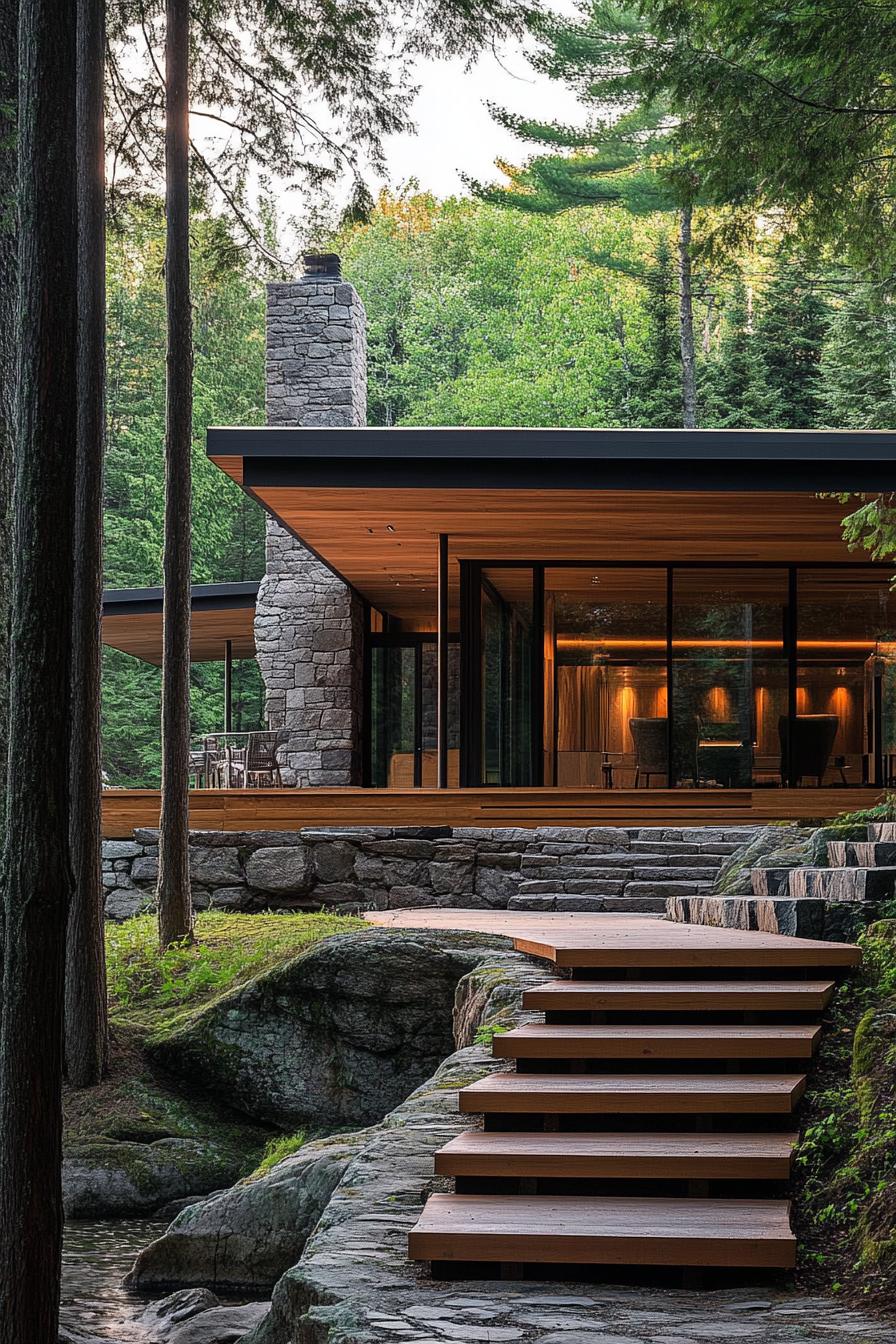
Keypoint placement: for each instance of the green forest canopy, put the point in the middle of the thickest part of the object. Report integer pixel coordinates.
(477, 316)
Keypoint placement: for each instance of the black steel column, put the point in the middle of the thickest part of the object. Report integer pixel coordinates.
(470, 674)
(537, 678)
(671, 768)
(791, 632)
(442, 665)
(228, 686)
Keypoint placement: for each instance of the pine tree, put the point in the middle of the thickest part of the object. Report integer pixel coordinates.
(629, 157)
(655, 397)
(858, 363)
(737, 391)
(790, 329)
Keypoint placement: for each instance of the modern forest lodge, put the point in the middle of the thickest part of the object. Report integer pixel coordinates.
(549, 623)
(597, 608)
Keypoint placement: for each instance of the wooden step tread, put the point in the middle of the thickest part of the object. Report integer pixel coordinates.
(624, 1156)
(633, 1093)
(680, 995)
(664, 1041)
(662, 943)
(578, 1229)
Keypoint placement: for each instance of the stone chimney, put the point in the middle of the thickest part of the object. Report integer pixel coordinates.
(308, 623)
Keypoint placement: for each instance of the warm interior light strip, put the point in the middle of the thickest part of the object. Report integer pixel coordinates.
(573, 642)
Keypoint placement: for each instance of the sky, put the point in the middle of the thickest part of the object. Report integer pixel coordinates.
(455, 130)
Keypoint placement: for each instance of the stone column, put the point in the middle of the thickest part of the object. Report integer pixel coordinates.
(308, 623)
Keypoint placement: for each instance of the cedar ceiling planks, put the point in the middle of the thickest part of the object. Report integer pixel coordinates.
(140, 634)
(385, 541)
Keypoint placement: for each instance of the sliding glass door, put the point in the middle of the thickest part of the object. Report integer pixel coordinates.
(402, 716)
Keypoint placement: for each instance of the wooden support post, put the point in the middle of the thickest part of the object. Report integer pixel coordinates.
(442, 656)
(228, 686)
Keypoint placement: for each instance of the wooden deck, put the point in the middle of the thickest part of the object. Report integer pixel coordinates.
(629, 1133)
(291, 809)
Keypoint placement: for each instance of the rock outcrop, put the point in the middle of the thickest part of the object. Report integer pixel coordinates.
(337, 1037)
(243, 1239)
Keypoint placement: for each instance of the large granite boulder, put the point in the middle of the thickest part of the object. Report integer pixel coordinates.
(243, 1239)
(337, 1037)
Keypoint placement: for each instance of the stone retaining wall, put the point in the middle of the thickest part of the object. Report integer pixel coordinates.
(377, 867)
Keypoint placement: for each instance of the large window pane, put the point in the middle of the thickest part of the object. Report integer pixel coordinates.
(606, 677)
(729, 676)
(393, 716)
(846, 689)
(506, 614)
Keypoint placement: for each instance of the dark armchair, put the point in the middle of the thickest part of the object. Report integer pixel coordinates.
(813, 742)
(651, 739)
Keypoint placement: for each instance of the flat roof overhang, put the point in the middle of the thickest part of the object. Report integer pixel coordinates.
(220, 612)
(372, 502)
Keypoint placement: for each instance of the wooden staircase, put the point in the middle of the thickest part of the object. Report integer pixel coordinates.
(650, 1117)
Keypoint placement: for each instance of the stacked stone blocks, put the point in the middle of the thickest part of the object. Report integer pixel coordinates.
(308, 623)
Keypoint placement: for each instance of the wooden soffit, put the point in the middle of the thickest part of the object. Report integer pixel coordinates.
(132, 621)
(372, 503)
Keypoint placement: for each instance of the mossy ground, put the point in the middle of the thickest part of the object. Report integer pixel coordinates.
(150, 992)
(845, 1188)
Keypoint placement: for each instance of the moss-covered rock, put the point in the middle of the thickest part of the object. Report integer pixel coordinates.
(785, 846)
(336, 1037)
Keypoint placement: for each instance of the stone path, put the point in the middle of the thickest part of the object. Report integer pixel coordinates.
(621, 1315)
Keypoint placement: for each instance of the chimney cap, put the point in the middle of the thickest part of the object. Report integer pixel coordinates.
(320, 265)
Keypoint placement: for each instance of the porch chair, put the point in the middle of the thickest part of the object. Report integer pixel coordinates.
(813, 742)
(651, 740)
(257, 764)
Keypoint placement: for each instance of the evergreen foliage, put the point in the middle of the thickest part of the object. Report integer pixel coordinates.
(737, 392)
(791, 328)
(228, 527)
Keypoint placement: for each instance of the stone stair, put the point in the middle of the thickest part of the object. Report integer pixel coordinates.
(833, 902)
(655, 866)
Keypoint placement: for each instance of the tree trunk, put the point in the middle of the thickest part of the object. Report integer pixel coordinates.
(9, 10)
(175, 909)
(86, 1026)
(686, 322)
(37, 873)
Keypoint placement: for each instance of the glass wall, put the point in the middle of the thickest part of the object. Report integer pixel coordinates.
(403, 713)
(729, 676)
(649, 676)
(506, 642)
(845, 684)
(605, 677)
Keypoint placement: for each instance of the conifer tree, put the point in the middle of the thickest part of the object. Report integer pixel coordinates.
(858, 363)
(625, 158)
(790, 328)
(655, 399)
(737, 392)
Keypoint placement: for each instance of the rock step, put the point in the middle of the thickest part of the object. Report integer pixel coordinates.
(827, 884)
(832, 921)
(625, 859)
(862, 853)
(564, 879)
(719, 848)
(882, 830)
(576, 903)
(579, 1229)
